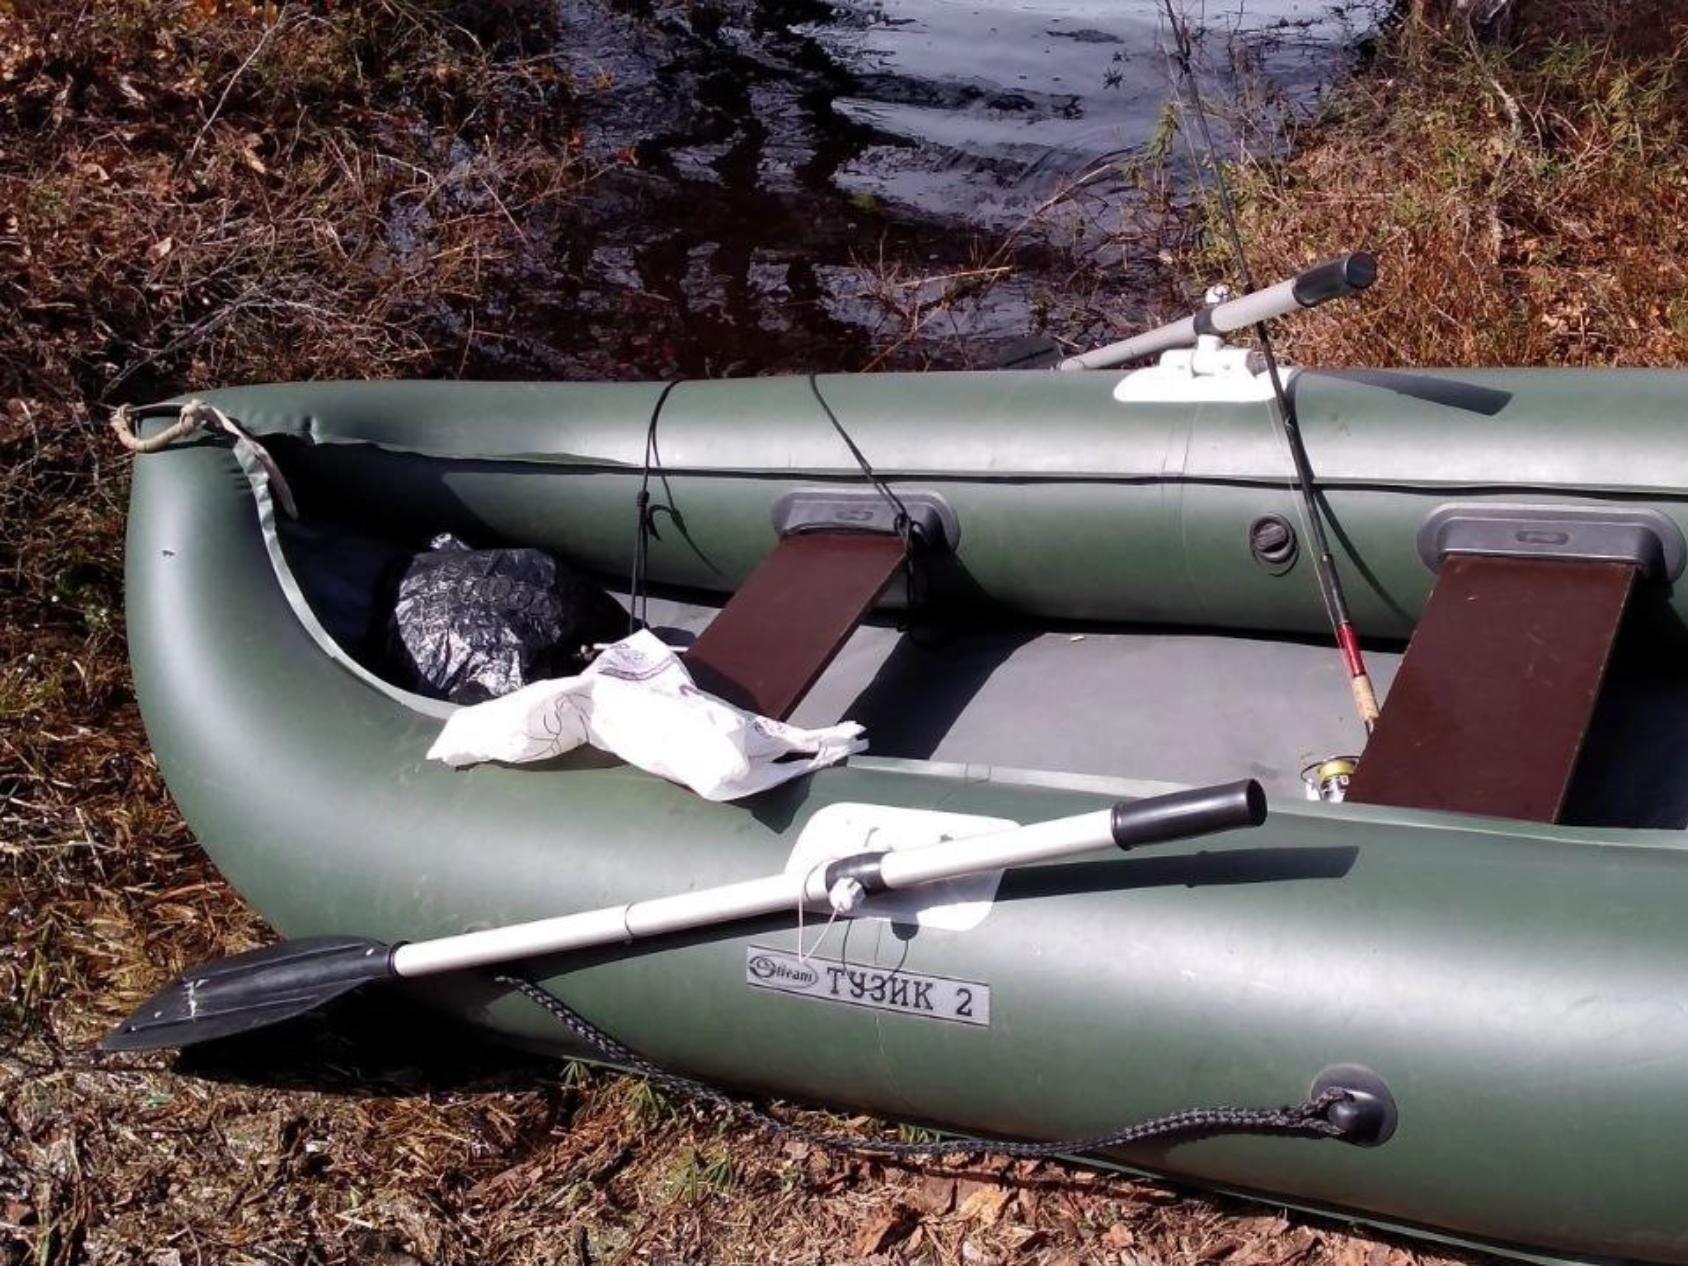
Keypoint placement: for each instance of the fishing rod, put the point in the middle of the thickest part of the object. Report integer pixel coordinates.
(1324, 563)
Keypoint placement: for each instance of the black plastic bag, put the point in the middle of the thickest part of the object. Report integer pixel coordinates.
(470, 625)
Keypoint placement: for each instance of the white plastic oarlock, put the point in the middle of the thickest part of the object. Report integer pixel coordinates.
(846, 896)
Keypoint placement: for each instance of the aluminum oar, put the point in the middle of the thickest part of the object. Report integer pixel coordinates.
(265, 986)
(1334, 279)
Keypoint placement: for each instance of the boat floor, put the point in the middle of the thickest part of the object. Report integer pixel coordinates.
(1188, 706)
(1177, 706)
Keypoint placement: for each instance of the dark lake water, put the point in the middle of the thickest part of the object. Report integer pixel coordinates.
(895, 182)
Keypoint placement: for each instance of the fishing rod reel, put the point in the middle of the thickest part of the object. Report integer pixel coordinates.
(1196, 344)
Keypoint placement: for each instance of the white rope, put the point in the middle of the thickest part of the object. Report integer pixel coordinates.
(804, 955)
(196, 416)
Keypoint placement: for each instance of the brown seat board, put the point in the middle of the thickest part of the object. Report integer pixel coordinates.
(1488, 712)
(785, 624)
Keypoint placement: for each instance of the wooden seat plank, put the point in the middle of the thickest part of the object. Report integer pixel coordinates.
(1488, 712)
(792, 616)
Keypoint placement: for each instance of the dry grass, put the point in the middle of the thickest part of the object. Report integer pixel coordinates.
(1528, 203)
(192, 194)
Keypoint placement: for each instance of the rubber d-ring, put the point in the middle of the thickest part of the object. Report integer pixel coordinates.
(1368, 1116)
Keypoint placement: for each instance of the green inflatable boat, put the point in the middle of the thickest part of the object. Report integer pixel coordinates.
(1082, 591)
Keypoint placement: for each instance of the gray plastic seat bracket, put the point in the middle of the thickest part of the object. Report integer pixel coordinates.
(1645, 538)
(866, 510)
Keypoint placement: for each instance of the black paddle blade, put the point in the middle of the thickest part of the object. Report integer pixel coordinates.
(251, 990)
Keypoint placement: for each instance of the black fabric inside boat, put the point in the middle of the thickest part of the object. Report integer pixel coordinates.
(350, 579)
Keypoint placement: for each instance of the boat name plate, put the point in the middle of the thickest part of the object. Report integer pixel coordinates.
(876, 988)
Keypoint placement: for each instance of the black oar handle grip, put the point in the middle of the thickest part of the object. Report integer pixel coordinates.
(1183, 814)
(1335, 278)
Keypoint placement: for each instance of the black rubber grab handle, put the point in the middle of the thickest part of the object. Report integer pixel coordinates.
(1182, 814)
(1335, 278)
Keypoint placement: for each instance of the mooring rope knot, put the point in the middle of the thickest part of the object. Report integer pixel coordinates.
(201, 415)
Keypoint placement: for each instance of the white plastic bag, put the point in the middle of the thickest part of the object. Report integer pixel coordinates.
(638, 701)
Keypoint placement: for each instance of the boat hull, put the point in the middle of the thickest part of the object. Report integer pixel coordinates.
(1519, 988)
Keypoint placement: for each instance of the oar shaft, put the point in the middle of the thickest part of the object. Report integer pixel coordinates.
(1345, 275)
(749, 898)
(1019, 846)
(610, 925)
(1127, 825)
(1152, 820)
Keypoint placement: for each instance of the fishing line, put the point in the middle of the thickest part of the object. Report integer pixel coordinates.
(638, 598)
(903, 522)
(1324, 562)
